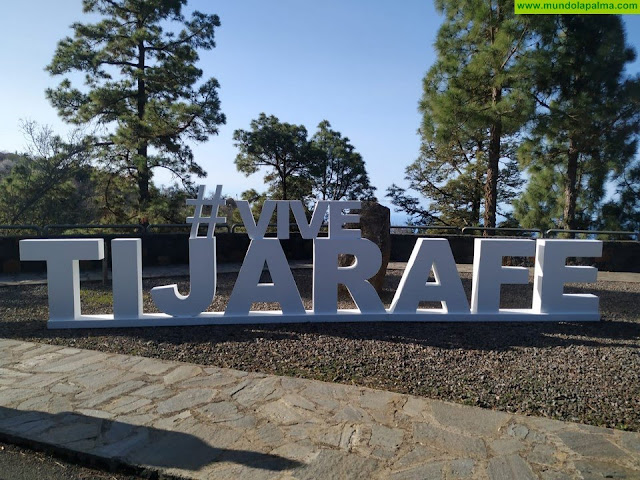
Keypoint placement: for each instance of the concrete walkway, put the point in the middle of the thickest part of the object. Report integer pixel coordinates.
(12, 279)
(205, 422)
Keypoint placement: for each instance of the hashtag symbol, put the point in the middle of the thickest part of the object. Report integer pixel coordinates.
(197, 219)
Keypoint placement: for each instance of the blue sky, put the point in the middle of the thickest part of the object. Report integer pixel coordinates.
(357, 63)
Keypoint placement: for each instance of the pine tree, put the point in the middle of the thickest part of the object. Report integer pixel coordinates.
(587, 123)
(282, 148)
(339, 171)
(140, 86)
(475, 102)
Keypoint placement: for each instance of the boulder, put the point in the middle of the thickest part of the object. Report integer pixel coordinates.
(375, 225)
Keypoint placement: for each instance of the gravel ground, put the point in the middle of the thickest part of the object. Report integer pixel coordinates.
(582, 372)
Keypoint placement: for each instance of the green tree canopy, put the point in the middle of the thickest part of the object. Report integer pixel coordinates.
(51, 183)
(142, 90)
(339, 171)
(475, 103)
(588, 119)
(282, 149)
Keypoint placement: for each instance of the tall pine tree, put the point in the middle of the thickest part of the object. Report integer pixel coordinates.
(339, 171)
(283, 149)
(588, 119)
(140, 86)
(475, 101)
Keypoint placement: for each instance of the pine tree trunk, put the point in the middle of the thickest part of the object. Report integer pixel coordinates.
(570, 194)
(491, 186)
(477, 189)
(144, 174)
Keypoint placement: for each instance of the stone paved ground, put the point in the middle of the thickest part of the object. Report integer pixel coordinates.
(206, 422)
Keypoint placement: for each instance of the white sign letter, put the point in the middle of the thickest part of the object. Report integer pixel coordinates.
(489, 274)
(202, 272)
(63, 272)
(552, 272)
(311, 229)
(327, 275)
(337, 219)
(248, 288)
(414, 286)
(126, 267)
(256, 231)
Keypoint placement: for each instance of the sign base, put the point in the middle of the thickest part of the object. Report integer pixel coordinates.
(342, 316)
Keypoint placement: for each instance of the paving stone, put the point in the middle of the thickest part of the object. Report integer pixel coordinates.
(13, 418)
(301, 451)
(247, 466)
(518, 430)
(181, 373)
(23, 346)
(152, 366)
(542, 454)
(121, 447)
(153, 392)
(10, 374)
(15, 396)
(426, 471)
(329, 435)
(318, 391)
(506, 446)
(509, 467)
(206, 422)
(36, 403)
(459, 468)
(97, 380)
(346, 437)
(254, 391)
(40, 380)
(388, 438)
(594, 470)
(472, 421)
(419, 454)
(281, 413)
(185, 400)
(337, 464)
(295, 400)
(350, 413)
(174, 451)
(172, 422)
(443, 439)
(89, 412)
(138, 419)
(92, 399)
(417, 407)
(70, 351)
(207, 381)
(66, 364)
(552, 474)
(220, 412)
(590, 444)
(269, 434)
(630, 441)
(64, 434)
(42, 359)
(59, 404)
(127, 404)
(380, 405)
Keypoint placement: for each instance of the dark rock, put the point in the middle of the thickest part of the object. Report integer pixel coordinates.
(375, 225)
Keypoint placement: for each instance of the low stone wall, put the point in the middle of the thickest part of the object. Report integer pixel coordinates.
(172, 248)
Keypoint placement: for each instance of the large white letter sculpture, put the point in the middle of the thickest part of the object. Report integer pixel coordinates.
(429, 255)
